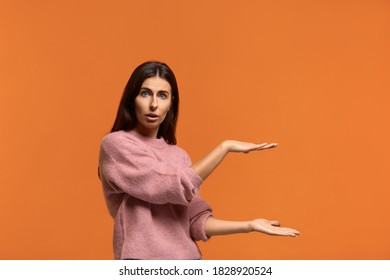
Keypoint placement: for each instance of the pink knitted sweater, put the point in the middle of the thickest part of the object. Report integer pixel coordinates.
(152, 194)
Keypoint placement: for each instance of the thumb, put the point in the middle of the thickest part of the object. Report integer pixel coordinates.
(275, 223)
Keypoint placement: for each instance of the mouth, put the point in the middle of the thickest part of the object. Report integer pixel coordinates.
(151, 117)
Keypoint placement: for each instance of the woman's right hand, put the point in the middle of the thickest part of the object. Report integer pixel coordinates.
(245, 147)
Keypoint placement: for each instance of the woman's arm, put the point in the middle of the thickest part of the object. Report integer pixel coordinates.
(220, 227)
(206, 165)
(125, 165)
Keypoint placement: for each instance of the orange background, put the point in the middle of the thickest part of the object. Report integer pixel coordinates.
(310, 75)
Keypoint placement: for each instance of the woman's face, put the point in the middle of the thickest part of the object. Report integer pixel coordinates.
(152, 104)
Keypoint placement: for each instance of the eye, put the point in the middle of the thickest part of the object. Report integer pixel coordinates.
(163, 96)
(144, 93)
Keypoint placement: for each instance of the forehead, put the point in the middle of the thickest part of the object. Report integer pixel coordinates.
(157, 84)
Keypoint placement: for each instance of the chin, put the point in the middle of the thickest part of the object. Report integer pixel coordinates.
(151, 126)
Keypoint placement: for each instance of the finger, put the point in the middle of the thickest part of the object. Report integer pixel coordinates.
(258, 147)
(269, 146)
(281, 232)
(275, 223)
(292, 232)
(261, 145)
(296, 232)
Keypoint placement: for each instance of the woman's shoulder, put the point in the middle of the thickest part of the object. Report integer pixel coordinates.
(118, 139)
(113, 137)
(178, 149)
(182, 153)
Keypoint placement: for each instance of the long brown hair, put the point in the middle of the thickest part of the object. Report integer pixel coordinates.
(126, 118)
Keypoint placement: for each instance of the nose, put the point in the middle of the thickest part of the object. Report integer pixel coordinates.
(153, 104)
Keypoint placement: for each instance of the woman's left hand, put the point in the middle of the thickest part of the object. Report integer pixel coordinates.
(272, 228)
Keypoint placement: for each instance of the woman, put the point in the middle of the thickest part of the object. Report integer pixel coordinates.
(150, 185)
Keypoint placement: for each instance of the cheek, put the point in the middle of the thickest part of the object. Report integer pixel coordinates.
(138, 106)
(167, 109)
(164, 112)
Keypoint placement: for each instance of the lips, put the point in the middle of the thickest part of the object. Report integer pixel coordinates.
(151, 117)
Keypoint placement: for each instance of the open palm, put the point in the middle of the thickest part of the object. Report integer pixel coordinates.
(246, 147)
(272, 228)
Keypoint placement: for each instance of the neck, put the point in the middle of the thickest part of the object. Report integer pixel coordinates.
(147, 132)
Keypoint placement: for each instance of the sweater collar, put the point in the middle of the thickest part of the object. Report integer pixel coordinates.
(152, 142)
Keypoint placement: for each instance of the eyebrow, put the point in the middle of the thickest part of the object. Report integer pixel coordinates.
(160, 91)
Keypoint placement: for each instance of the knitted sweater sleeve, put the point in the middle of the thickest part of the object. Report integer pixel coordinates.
(199, 211)
(125, 167)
